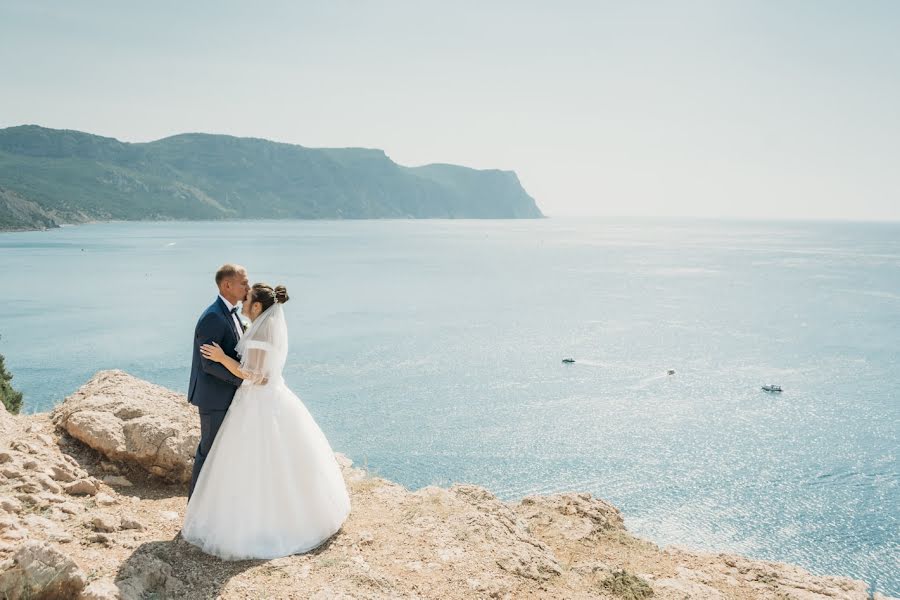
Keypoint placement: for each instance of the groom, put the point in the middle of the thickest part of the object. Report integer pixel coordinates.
(212, 386)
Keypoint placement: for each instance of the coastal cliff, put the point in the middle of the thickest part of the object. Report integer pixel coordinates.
(51, 176)
(93, 496)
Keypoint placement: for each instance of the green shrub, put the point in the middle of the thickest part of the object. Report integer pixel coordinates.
(627, 586)
(12, 399)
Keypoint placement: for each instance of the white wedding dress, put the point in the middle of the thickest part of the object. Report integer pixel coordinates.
(271, 485)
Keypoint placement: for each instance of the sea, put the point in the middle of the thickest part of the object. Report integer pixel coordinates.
(431, 352)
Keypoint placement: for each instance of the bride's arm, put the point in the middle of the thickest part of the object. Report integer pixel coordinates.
(215, 353)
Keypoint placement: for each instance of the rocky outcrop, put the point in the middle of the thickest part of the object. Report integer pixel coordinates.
(18, 213)
(147, 575)
(37, 570)
(130, 420)
(575, 517)
(67, 510)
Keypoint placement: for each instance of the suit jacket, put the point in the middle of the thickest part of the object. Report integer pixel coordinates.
(212, 386)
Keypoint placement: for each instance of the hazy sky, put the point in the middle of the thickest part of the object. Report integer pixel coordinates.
(758, 108)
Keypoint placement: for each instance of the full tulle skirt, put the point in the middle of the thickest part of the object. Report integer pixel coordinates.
(271, 485)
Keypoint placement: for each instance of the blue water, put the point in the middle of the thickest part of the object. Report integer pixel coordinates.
(430, 352)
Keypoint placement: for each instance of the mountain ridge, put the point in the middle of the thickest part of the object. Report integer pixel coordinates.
(72, 176)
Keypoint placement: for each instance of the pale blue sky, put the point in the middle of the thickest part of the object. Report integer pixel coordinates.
(697, 108)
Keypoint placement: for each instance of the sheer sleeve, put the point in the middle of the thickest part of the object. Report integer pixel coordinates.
(253, 361)
(255, 356)
(263, 348)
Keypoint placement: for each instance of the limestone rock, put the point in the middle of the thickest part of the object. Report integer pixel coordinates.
(48, 484)
(129, 523)
(60, 537)
(21, 446)
(518, 551)
(104, 524)
(574, 516)
(105, 500)
(38, 522)
(65, 475)
(131, 420)
(69, 508)
(53, 498)
(11, 529)
(7, 421)
(790, 581)
(117, 480)
(81, 487)
(28, 487)
(101, 590)
(31, 500)
(687, 589)
(12, 472)
(37, 570)
(145, 575)
(10, 505)
(108, 467)
(100, 538)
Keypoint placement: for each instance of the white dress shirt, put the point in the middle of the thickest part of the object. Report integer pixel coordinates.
(237, 321)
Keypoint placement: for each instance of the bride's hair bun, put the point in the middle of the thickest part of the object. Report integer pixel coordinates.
(266, 295)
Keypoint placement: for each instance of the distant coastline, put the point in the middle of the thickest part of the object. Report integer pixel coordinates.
(55, 226)
(50, 177)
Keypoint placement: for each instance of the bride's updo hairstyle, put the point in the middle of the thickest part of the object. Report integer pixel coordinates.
(266, 295)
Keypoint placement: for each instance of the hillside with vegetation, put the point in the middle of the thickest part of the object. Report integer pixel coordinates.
(49, 177)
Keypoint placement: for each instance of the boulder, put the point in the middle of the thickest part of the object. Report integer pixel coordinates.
(37, 570)
(130, 420)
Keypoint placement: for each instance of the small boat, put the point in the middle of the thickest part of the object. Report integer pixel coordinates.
(568, 361)
(772, 388)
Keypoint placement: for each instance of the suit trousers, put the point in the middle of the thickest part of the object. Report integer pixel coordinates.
(210, 421)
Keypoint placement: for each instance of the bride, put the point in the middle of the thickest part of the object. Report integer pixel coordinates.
(271, 485)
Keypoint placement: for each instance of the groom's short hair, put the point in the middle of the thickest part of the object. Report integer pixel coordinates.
(228, 270)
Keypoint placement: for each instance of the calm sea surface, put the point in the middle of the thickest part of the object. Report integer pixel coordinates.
(431, 351)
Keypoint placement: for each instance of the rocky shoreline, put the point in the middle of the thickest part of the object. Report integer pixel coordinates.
(93, 495)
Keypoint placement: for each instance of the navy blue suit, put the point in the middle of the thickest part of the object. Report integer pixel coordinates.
(212, 386)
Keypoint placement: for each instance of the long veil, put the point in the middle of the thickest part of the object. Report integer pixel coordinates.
(263, 348)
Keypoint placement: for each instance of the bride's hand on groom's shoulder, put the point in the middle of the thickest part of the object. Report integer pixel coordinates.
(212, 352)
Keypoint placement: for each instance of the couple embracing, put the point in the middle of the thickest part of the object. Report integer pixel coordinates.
(265, 482)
